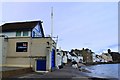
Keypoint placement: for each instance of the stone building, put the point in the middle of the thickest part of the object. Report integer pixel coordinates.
(115, 55)
(87, 55)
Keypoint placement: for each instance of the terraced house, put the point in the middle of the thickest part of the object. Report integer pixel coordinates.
(25, 45)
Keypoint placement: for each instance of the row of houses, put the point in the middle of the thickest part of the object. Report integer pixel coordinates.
(88, 56)
(104, 57)
(65, 57)
(107, 57)
(25, 45)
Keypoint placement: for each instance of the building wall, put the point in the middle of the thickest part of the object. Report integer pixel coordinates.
(17, 58)
(12, 47)
(1, 47)
(37, 47)
(107, 57)
(115, 56)
(87, 57)
(3, 50)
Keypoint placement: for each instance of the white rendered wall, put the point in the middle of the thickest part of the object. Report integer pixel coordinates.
(9, 34)
(13, 34)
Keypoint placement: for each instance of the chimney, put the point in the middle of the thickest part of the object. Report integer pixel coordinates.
(109, 51)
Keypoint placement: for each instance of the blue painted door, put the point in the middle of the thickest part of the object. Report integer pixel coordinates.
(41, 65)
(53, 59)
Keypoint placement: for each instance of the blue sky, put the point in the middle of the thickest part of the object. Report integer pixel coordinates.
(91, 25)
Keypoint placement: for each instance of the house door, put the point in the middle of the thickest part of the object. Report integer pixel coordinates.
(41, 65)
(53, 59)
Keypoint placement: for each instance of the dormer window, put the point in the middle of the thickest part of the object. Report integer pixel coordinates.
(25, 33)
(22, 33)
(18, 33)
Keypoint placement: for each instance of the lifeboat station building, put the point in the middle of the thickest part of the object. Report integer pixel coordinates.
(24, 45)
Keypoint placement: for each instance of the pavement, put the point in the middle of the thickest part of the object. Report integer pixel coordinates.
(67, 72)
(9, 68)
(8, 72)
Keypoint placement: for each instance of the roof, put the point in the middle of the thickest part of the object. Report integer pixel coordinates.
(18, 26)
(115, 53)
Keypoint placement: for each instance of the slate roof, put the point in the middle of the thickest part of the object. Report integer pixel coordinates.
(16, 26)
(21, 26)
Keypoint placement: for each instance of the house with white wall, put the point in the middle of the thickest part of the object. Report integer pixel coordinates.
(58, 58)
(24, 45)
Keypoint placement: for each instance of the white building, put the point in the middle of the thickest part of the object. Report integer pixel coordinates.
(58, 58)
(107, 57)
(64, 59)
(69, 56)
(80, 58)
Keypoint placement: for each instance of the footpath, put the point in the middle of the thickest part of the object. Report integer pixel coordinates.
(67, 72)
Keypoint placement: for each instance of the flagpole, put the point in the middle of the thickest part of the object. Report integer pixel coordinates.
(51, 22)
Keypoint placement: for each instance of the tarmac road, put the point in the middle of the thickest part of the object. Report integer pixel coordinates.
(67, 72)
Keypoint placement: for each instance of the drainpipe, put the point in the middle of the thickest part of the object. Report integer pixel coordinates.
(30, 46)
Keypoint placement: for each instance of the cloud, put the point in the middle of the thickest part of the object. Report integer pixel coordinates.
(112, 47)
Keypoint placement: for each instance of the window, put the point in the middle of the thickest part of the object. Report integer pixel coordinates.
(25, 33)
(18, 33)
(21, 46)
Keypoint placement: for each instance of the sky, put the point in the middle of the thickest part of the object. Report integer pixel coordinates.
(92, 25)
